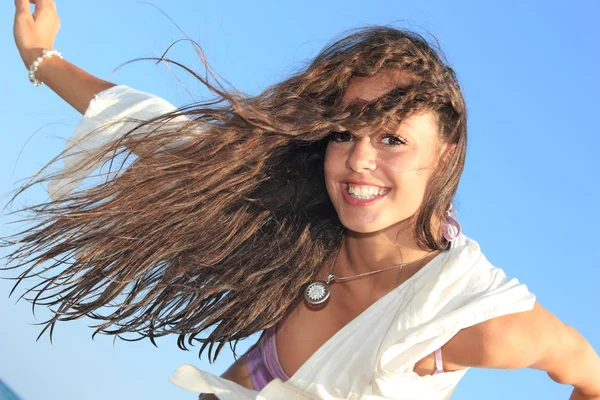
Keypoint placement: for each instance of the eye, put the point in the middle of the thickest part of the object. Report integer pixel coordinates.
(393, 140)
(340, 136)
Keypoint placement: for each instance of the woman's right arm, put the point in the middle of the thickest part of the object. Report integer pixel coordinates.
(37, 31)
(73, 84)
(113, 108)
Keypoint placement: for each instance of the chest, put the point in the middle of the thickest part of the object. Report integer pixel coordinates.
(305, 329)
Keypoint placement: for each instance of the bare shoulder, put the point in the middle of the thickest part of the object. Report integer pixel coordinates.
(238, 373)
(508, 342)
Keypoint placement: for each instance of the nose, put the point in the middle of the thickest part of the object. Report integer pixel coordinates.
(362, 155)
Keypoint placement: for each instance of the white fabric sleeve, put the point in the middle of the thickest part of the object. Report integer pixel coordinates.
(462, 291)
(107, 106)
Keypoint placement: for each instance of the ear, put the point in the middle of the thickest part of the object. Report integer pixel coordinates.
(447, 153)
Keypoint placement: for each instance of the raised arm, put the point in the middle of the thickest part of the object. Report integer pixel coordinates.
(533, 339)
(37, 31)
(116, 109)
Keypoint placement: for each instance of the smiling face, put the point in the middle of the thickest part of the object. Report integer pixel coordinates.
(378, 179)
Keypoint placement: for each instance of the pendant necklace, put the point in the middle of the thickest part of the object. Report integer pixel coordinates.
(317, 292)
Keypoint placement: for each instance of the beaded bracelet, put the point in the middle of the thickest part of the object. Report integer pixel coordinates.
(34, 65)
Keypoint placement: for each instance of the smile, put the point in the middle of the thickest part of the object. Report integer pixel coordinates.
(363, 195)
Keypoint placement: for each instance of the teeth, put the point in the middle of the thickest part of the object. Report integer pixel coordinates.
(365, 192)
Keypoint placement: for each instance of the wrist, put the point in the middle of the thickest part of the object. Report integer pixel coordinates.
(45, 69)
(30, 55)
(40, 65)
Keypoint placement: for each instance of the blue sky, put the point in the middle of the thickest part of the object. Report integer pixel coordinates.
(529, 193)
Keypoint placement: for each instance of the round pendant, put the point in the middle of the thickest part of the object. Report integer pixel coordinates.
(316, 292)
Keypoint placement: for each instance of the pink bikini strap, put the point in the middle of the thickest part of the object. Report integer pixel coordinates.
(439, 367)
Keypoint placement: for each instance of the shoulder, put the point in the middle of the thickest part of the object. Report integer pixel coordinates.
(238, 372)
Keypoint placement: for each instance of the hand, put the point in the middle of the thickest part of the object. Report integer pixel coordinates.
(37, 31)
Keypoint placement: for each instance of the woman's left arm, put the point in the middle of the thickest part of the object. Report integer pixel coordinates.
(532, 339)
(560, 351)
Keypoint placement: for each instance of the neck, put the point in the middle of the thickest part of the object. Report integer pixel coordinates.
(367, 252)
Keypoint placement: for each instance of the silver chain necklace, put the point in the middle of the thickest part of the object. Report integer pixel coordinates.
(317, 292)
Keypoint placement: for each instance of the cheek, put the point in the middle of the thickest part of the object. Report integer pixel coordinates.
(333, 163)
(401, 162)
(409, 174)
(415, 163)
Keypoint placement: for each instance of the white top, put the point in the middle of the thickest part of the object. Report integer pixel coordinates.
(372, 357)
(110, 105)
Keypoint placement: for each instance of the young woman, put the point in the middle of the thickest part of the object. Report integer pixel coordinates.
(318, 212)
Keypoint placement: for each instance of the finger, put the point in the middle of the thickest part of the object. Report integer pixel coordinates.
(22, 6)
(42, 6)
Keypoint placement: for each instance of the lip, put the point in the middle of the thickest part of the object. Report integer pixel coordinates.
(364, 183)
(359, 202)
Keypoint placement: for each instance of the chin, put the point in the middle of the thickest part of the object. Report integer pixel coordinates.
(363, 227)
(358, 225)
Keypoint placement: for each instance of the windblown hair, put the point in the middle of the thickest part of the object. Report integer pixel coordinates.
(223, 230)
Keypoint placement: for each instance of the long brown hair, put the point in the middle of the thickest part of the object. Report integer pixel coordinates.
(223, 230)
